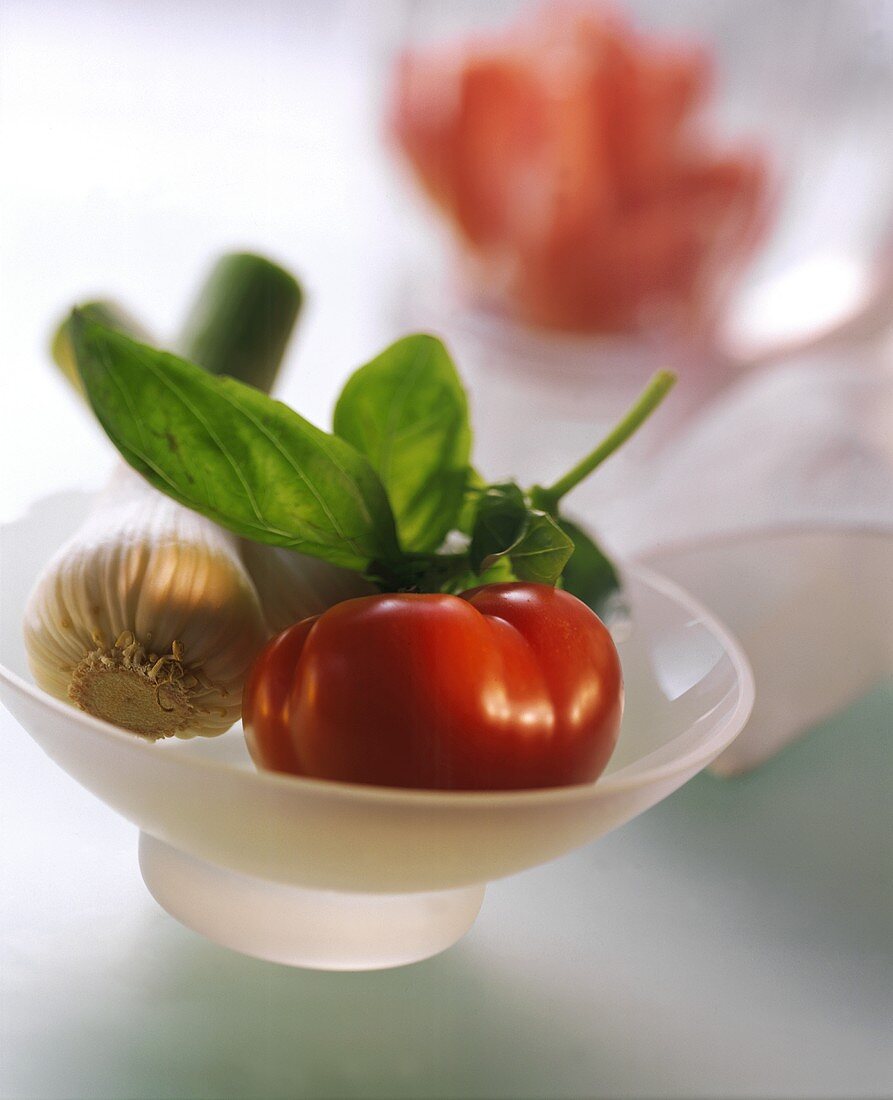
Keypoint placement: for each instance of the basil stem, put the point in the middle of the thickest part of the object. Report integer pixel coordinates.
(653, 394)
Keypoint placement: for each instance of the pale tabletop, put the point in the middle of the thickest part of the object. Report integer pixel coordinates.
(734, 941)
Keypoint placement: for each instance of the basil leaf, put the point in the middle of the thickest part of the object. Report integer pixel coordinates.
(406, 411)
(230, 452)
(543, 552)
(474, 486)
(589, 575)
(499, 572)
(500, 521)
(505, 526)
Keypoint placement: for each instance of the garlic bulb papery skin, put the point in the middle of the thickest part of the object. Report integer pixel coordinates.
(146, 617)
(293, 586)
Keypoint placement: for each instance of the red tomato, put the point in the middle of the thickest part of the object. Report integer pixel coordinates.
(507, 686)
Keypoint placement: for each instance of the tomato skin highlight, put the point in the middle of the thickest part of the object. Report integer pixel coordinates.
(508, 686)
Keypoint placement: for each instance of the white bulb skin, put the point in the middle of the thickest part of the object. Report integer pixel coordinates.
(293, 586)
(144, 565)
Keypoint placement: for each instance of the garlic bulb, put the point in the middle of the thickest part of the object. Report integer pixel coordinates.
(146, 617)
(293, 586)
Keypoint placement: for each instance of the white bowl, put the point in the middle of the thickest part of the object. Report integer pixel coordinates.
(340, 876)
(811, 605)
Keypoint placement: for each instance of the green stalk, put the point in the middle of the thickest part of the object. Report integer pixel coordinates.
(653, 394)
(242, 320)
(239, 325)
(107, 313)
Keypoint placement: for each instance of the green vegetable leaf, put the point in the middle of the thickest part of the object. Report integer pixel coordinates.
(406, 411)
(500, 521)
(506, 526)
(499, 572)
(232, 453)
(589, 575)
(543, 552)
(474, 486)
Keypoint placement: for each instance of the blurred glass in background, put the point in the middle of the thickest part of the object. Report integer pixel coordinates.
(613, 188)
(569, 153)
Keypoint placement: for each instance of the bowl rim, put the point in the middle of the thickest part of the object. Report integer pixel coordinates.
(692, 760)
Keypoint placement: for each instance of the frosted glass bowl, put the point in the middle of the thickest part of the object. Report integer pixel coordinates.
(339, 876)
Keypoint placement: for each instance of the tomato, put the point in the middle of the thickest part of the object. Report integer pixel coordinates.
(507, 686)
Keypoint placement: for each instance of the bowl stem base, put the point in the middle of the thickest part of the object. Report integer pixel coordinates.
(318, 929)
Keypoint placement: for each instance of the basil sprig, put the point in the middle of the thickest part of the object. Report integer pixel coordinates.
(589, 574)
(406, 411)
(506, 526)
(230, 452)
(391, 494)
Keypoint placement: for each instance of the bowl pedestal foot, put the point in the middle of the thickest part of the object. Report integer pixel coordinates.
(318, 929)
